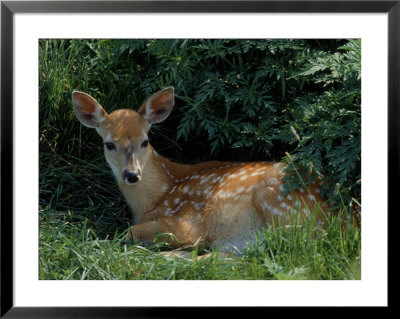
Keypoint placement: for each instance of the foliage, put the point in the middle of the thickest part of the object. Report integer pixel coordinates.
(240, 99)
(329, 122)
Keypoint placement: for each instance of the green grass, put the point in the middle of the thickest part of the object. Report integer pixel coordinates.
(75, 245)
(83, 217)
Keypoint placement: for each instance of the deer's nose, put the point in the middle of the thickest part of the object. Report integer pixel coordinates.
(131, 177)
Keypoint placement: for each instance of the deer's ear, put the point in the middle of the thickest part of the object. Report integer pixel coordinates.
(88, 111)
(157, 108)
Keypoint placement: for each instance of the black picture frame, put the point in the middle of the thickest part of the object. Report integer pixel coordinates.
(9, 8)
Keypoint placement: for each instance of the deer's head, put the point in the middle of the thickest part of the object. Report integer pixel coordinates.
(124, 132)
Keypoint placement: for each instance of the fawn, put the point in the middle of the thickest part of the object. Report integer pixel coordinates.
(217, 204)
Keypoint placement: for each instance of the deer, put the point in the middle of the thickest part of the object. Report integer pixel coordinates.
(215, 203)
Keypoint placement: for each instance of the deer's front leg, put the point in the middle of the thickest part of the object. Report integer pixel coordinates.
(177, 235)
(146, 232)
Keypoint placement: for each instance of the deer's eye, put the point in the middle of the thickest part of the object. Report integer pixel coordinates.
(145, 143)
(110, 146)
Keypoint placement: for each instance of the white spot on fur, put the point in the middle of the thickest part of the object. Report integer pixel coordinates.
(183, 203)
(242, 178)
(280, 167)
(204, 180)
(186, 189)
(207, 190)
(223, 194)
(250, 188)
(176, 200)
(284, 205)
(240, 189)
(215, 179)
(256, 173)
(225, 175)
(191, 192)
(277, 165)
(241, 172)
(265, 205)
(196, 205)
(311, 197)
(166, 203)
(276, 211)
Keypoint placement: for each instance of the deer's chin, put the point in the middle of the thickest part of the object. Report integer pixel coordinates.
(132, 184)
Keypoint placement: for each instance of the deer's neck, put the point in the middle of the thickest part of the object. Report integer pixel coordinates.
(156, 179)
(159, 175)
